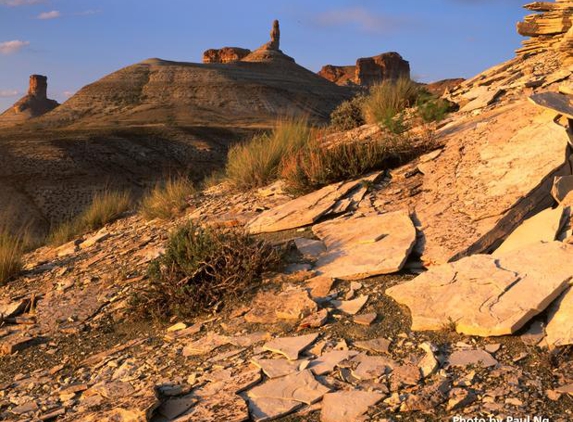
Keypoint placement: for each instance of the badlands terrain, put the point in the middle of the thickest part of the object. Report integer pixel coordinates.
(437, 290)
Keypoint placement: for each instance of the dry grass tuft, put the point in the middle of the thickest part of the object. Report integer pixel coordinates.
(256, 163)
(11, 252)
(167, 199)
(106, 207)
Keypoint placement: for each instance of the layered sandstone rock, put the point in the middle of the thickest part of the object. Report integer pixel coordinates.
(547, 28)
(34, 104)
(368, 71)
(225, 55)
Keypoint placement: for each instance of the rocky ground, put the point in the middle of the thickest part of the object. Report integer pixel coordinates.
(440, 290)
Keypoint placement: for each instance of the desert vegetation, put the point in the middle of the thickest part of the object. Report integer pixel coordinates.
(203, 266)
(11, 251)
(386, 103)
(167, 199)
(257, 162)
(105, 207)
(318, 165)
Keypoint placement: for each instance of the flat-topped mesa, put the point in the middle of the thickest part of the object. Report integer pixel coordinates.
(548, 28)
(34, 104)
(225, 55)
(368, 71)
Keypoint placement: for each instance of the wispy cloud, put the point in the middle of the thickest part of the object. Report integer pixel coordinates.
(360, 17)
(54, 14)
(88, 12)
(68, 94)
(8, 93)
(16, 3)
(9, 47)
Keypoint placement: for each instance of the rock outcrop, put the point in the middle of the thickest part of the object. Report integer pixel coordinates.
(225, 55)
(368, 71)
(34, 104)
(548, 29)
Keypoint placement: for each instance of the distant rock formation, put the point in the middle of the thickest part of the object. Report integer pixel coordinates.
(549, 29)
(368, 71)
(225, 55)
(34, 104)
(274, 44)
(440, 87)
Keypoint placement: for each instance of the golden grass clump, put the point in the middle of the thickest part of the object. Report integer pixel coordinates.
(167, 199)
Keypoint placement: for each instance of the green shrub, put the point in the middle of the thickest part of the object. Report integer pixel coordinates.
(387, 100)
(11, 252)
(256, 163)
(316, 166)
(348, 115)
(201, 268)
(432, 108)
(105, 207)
(167, 199)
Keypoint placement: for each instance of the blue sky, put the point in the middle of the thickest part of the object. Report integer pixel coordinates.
(76, 42)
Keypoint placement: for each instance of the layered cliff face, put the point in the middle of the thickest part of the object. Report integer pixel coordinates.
(368, 71)
(225, 55)
(34, 104)
(549, 28)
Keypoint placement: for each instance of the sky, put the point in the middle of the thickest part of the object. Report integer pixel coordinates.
(76, 42)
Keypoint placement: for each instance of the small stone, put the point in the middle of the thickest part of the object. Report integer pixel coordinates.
(290, 346)
(319, 287)
(30, 406)
(177, 327)
(405, 375)
(377, 345)
(315, 320)
(472, 357)
(460, 398)
(366, 319)
(350, 307)
(492, 348)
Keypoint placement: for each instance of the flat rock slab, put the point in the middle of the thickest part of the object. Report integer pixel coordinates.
(290, 346)
(562, 186)
(327, 362)
(496, 169)
(347, 406)
(476, 357)
(309, 248)
(366, 246)
(559, 327)
(488, 296)
(319, 287)
(301, 387)
(542, 227)
(301, 211)
(372, 367)
(267, 409)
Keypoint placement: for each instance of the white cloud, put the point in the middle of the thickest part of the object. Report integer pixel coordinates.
(88, 12)
(9, 47)
(68, 94)
(361, 17)
(15, 3)
(7, 93)
(54, 14)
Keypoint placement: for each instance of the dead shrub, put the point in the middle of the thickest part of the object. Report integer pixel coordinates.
(203, 266)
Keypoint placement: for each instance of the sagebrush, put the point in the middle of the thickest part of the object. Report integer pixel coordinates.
(348, 115)
(202, 267)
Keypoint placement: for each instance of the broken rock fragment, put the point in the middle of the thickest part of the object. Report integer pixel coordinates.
(290, 346)
(488, 296)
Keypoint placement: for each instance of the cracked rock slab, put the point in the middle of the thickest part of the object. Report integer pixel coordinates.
(363, 247)
(488, 296)
(301, 211)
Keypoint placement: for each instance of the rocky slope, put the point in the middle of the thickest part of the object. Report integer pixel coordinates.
(438, 289)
